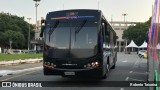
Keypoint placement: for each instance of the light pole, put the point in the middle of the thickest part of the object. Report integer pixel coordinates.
(125, 14)
(29, 33)
(36, 5)
(63, 5)
(10, 44)
(98, 4)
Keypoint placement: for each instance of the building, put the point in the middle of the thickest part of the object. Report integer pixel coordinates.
(37, 42)
(119, 27)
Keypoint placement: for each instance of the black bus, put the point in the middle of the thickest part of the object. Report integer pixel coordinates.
(78, 43)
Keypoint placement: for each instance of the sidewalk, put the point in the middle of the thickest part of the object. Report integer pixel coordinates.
(20, 68)
(20, 61)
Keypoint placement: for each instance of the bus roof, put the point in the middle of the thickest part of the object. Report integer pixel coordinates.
(74, 14)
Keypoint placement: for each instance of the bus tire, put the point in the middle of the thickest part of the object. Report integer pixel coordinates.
(104, 76)
(114, 66)
(106, 72)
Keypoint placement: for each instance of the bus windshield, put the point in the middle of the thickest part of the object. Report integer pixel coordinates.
(72, 38)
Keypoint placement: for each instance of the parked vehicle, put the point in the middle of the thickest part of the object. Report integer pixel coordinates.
(145, 56)
(141, 53)
(17, 52)
(31, 51)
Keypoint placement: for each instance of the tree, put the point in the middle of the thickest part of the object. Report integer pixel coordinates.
(137, 33)
(14, 28)
(17, 38)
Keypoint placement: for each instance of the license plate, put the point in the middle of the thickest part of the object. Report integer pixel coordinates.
(69, 73)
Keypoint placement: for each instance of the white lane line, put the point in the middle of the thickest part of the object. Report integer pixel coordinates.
(124, 61)
(131, 72)
(135, 79)
(136, 63)
(126, 78)
(145, 73)
(122, 89)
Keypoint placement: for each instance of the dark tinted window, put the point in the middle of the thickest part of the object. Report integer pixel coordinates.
(80, 36)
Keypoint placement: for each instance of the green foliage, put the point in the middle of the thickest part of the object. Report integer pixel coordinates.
(14, 28)
(18, 56)
(138, 33)
(16, 37)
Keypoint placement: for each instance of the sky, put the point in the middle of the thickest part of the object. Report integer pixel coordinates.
(136, 10)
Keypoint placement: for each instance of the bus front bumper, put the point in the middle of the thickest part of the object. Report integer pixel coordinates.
(96, 72)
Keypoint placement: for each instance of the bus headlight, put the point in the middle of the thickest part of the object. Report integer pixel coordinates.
(49, 65)
(92, 65)
(88, 65)
(97, 63)
(52, 64)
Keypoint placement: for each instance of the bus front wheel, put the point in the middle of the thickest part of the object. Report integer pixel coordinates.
(106, 72)
(114, 66)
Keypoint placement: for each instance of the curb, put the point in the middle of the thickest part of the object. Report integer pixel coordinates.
(20, 61)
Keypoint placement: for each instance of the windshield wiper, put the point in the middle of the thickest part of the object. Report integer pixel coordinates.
(53, 28)
(80, 28)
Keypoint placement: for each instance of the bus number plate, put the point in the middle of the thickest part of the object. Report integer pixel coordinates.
(69, 73)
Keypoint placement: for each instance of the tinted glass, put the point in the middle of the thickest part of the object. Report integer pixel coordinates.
(72, 38)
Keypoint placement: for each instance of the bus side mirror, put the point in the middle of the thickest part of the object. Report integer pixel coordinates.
(42, 30)
(43, 22)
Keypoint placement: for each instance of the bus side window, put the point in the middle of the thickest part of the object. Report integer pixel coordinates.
(103, 33)
(115, 39)
(107, 34)
(42, 30)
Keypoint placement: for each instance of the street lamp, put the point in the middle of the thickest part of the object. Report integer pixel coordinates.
(125, 14)
(29, 33)
(36, 5)
(98, 4)
(63, 5)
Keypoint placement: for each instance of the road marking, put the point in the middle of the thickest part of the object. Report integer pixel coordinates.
(145, 73)
(124, 61)
(122, 89)
(137, 63)
(131, 72)
(18, 76)
(135, 79)
(127, 78)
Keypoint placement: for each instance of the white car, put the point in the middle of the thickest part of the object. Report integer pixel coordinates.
(141, 53)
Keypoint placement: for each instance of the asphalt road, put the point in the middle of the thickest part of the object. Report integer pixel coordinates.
(129, 67)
